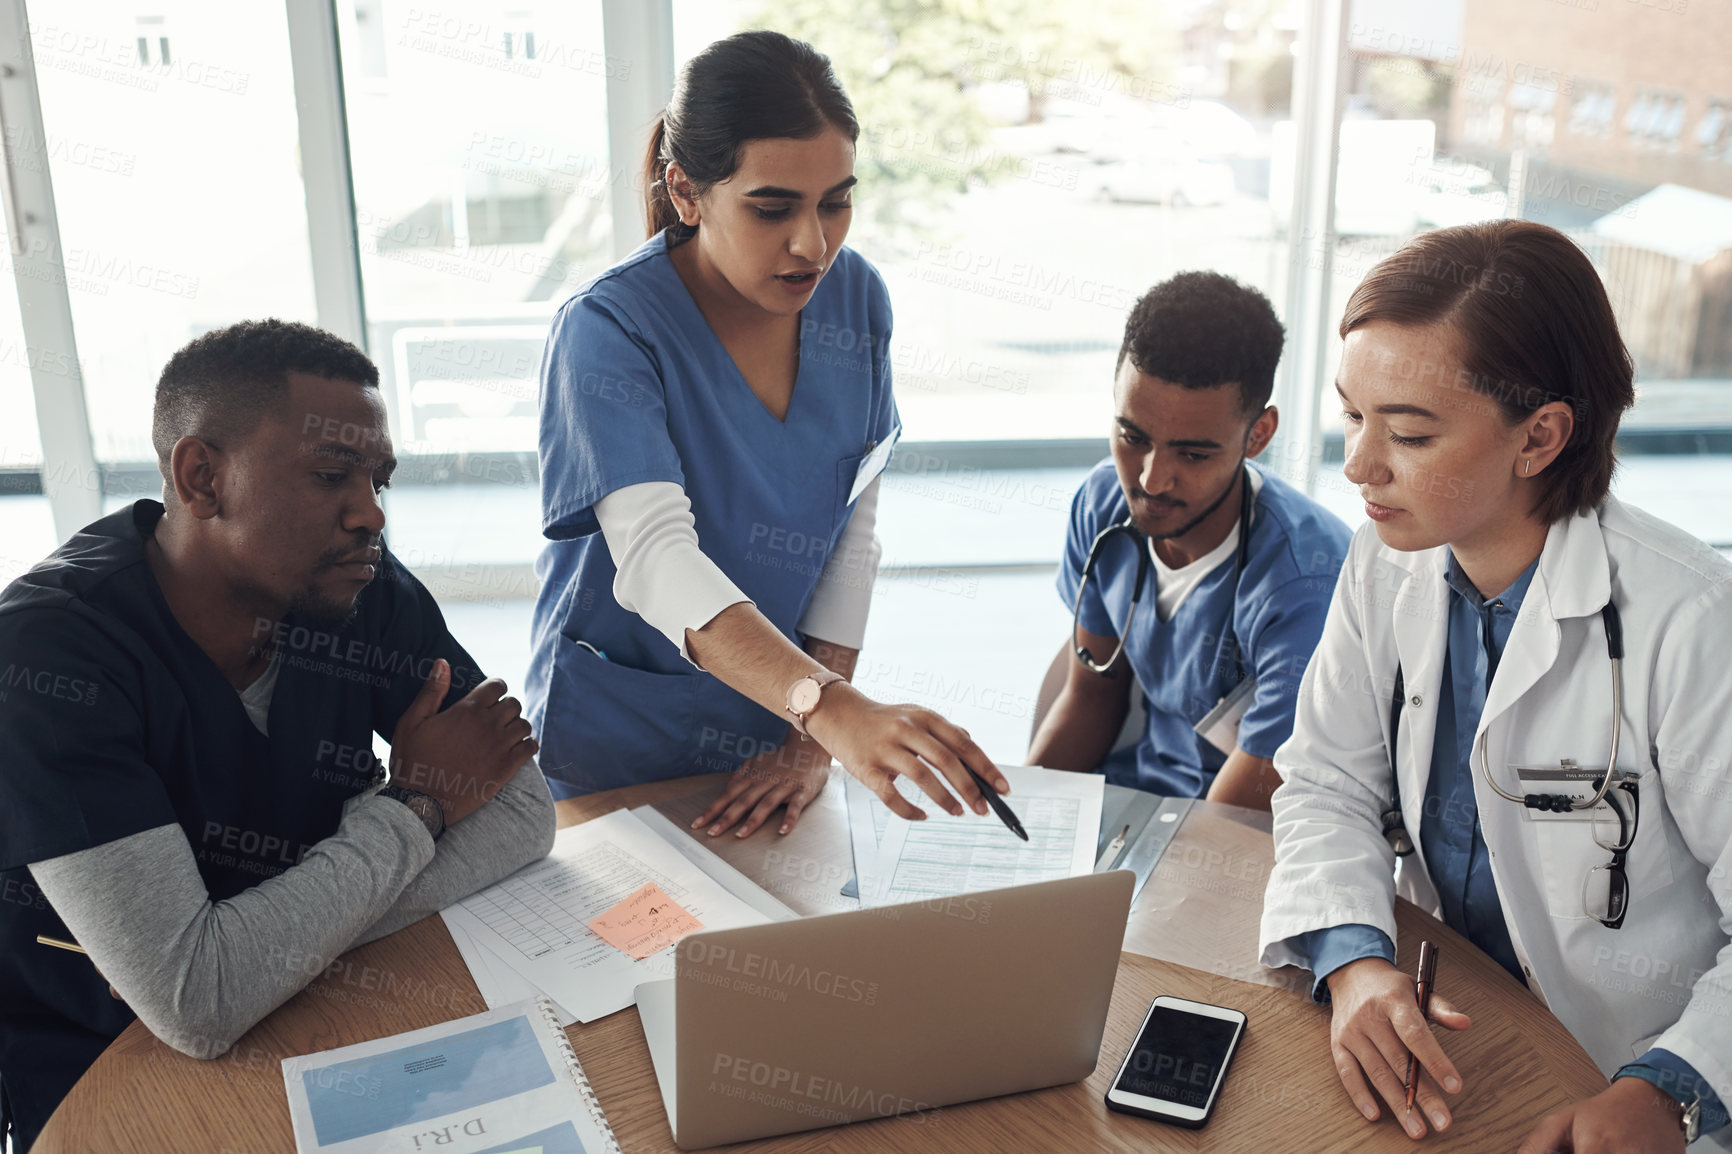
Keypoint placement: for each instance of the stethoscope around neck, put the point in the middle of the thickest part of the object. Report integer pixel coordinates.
(1140, 542)
(1395, 828)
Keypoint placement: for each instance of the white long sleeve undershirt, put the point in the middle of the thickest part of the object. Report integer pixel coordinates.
(665, 578)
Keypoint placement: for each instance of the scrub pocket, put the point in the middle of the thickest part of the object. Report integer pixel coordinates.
(1567, 851)
(609, 725)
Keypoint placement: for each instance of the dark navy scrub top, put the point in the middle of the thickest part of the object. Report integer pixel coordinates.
(635, 387)
(1276, 619)
(113, 721)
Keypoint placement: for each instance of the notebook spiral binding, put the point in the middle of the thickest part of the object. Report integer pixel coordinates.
(551, 1017)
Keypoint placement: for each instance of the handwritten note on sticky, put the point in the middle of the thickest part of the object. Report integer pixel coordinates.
(647, 922)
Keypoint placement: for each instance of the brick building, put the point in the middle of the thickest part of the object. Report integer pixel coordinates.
(1636, 91)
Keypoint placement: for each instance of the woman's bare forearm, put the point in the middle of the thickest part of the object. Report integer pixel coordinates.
(750, 655)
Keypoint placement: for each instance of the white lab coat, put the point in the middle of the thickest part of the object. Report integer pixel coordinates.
(1665, 977)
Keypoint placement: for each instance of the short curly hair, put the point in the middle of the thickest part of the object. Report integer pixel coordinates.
(1203, 330)
(220, 386)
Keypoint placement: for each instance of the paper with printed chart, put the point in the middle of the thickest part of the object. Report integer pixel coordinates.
(500, 985)
(946, 855)
(536, 920)
(505, 1080)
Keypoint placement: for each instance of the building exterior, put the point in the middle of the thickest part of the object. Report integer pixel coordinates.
(1635, 91)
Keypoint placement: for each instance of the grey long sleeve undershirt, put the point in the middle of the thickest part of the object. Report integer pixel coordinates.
(200, 973)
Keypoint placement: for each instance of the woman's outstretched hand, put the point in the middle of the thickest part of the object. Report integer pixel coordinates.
(879, 743)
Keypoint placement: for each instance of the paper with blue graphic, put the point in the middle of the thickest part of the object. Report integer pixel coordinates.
(494, 1083)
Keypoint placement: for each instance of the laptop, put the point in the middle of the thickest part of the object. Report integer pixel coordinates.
(790, 1026)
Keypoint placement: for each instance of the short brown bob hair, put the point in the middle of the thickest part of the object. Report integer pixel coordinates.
(1533, 325)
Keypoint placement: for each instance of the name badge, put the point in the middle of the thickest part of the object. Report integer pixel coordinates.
(1577, 782)
(873, 464)
(1220, 726)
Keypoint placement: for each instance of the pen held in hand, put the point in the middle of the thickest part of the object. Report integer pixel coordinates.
(1423, 984)
(998, 806)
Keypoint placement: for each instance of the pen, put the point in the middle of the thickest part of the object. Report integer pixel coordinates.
(1426, 979)
(1112, 850)
(60, 944)
(998, 807)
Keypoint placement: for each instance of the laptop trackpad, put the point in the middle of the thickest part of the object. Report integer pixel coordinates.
(655, 1012)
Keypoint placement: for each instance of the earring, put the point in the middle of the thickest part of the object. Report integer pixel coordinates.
(1527, 467)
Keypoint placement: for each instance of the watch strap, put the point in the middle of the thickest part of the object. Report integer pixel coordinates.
(1690, 1120)
(424, 806)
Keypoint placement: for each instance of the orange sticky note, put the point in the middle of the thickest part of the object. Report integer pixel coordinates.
(647, 922)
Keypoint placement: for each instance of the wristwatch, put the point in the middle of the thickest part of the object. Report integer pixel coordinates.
(1690, 1121)
(423, 806)
(803, 696)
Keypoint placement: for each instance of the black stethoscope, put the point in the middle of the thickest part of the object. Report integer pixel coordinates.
(1141, 544)
(1395, 829)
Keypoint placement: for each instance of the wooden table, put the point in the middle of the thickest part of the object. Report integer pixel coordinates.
(1200, 907)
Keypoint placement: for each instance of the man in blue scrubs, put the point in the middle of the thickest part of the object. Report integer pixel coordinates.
(1220, 610)
(188, 696)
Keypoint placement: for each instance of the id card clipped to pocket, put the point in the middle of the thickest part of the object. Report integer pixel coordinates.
(873, 463)
(1220, 726)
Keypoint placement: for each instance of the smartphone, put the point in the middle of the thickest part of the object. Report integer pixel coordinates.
(1174, 1070)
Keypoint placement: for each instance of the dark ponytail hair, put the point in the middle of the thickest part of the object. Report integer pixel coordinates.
(757, 85)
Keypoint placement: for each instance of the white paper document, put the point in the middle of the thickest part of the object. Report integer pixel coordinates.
(867, 819)
(946, 855)
(714, 867)
(536, 920)
(500, 985)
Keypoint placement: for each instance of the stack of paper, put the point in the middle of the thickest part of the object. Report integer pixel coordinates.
(902, 861)
(601, 914)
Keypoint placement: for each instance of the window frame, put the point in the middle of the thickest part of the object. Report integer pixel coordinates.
(640, 31)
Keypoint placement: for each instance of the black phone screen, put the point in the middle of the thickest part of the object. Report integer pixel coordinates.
(1177, 1057)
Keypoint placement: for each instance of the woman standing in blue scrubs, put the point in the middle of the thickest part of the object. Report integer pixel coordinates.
(715, 410)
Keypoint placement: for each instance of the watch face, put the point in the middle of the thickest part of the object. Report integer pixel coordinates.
(804, 697)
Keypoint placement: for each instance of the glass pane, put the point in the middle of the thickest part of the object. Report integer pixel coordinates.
(478, 135)
(20, 447)
(1611, 122)
(26, 521)
(1027, 174)
(172, 142)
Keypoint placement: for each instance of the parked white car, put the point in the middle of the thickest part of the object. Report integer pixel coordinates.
(1179, 181)
(1452, 194)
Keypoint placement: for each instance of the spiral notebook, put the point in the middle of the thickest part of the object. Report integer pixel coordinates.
(502, 1082)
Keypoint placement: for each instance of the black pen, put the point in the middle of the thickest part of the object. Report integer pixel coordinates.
(998, 807)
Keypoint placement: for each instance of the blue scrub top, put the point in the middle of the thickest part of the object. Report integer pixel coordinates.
(113, 721)
(1296, 551)
(635, 387)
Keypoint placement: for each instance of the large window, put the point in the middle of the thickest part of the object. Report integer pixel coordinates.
(26, 525)
(478, 142)
(172, 141)
(1026, 175)
(1027, 170)
(1604, 120)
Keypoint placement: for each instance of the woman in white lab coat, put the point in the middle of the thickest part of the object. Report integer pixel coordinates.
(1481, 382)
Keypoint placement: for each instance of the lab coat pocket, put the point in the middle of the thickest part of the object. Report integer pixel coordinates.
(621, 725)
(1568, 852)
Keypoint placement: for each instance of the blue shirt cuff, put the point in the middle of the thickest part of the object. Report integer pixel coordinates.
(1334, 947)
(1677, 1078)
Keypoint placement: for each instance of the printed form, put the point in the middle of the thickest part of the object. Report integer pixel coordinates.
(536, 920)
(944, 855)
